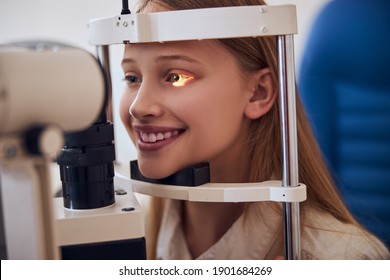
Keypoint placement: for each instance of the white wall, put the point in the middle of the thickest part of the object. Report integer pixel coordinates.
(66, 20)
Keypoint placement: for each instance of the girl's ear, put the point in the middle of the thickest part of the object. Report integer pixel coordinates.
(262, 95)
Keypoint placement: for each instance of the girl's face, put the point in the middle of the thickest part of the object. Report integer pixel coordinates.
(184, 103)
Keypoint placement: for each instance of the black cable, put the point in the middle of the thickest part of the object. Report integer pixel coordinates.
(125, 7)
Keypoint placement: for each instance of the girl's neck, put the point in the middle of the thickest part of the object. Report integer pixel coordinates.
(204, 223)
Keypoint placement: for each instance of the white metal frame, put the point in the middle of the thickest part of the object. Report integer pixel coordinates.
(214, 192)
(199, 24)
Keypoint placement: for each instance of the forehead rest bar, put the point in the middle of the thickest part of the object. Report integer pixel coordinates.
(197, 24)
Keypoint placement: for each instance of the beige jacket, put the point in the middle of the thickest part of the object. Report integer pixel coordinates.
(261, 237)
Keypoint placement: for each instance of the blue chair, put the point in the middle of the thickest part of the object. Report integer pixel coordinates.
(344, 83)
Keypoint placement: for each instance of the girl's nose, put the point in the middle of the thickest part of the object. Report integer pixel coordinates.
(147, 103)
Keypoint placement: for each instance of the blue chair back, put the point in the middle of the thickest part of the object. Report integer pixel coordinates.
(344, 83)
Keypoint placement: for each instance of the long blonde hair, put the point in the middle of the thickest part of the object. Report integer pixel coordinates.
(265, 155)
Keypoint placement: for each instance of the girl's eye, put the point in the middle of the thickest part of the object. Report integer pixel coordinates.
(130, 79)
(179, 80)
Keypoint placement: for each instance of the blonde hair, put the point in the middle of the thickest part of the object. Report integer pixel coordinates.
(265, 156)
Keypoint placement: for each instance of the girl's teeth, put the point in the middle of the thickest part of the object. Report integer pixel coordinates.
(154, 137)
(145, 137)
(167, 135)
(160, 136)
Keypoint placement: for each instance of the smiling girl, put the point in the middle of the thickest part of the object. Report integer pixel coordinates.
(216, 101)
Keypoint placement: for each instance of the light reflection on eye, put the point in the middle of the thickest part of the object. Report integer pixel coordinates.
(179, 80)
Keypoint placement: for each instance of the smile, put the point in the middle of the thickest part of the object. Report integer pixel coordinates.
(154, 138)
(157, 136)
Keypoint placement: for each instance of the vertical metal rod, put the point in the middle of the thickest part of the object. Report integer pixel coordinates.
(103, 55)
(289, 143)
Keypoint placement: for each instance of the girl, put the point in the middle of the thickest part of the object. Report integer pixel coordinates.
(216, 101)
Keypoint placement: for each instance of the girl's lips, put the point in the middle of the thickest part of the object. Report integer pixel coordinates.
(152, 138)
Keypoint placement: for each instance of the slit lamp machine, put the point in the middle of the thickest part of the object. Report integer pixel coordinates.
(97, 216)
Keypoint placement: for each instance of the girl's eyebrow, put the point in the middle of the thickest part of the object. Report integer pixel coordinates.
(176, 57)
(164, 58)
(127, 60)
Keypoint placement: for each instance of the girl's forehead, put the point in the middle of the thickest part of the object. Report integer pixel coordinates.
(200, 49)
(167, 46)
(200, 54)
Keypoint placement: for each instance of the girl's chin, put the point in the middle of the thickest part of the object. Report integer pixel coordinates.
(156, 172)
(158, 169)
